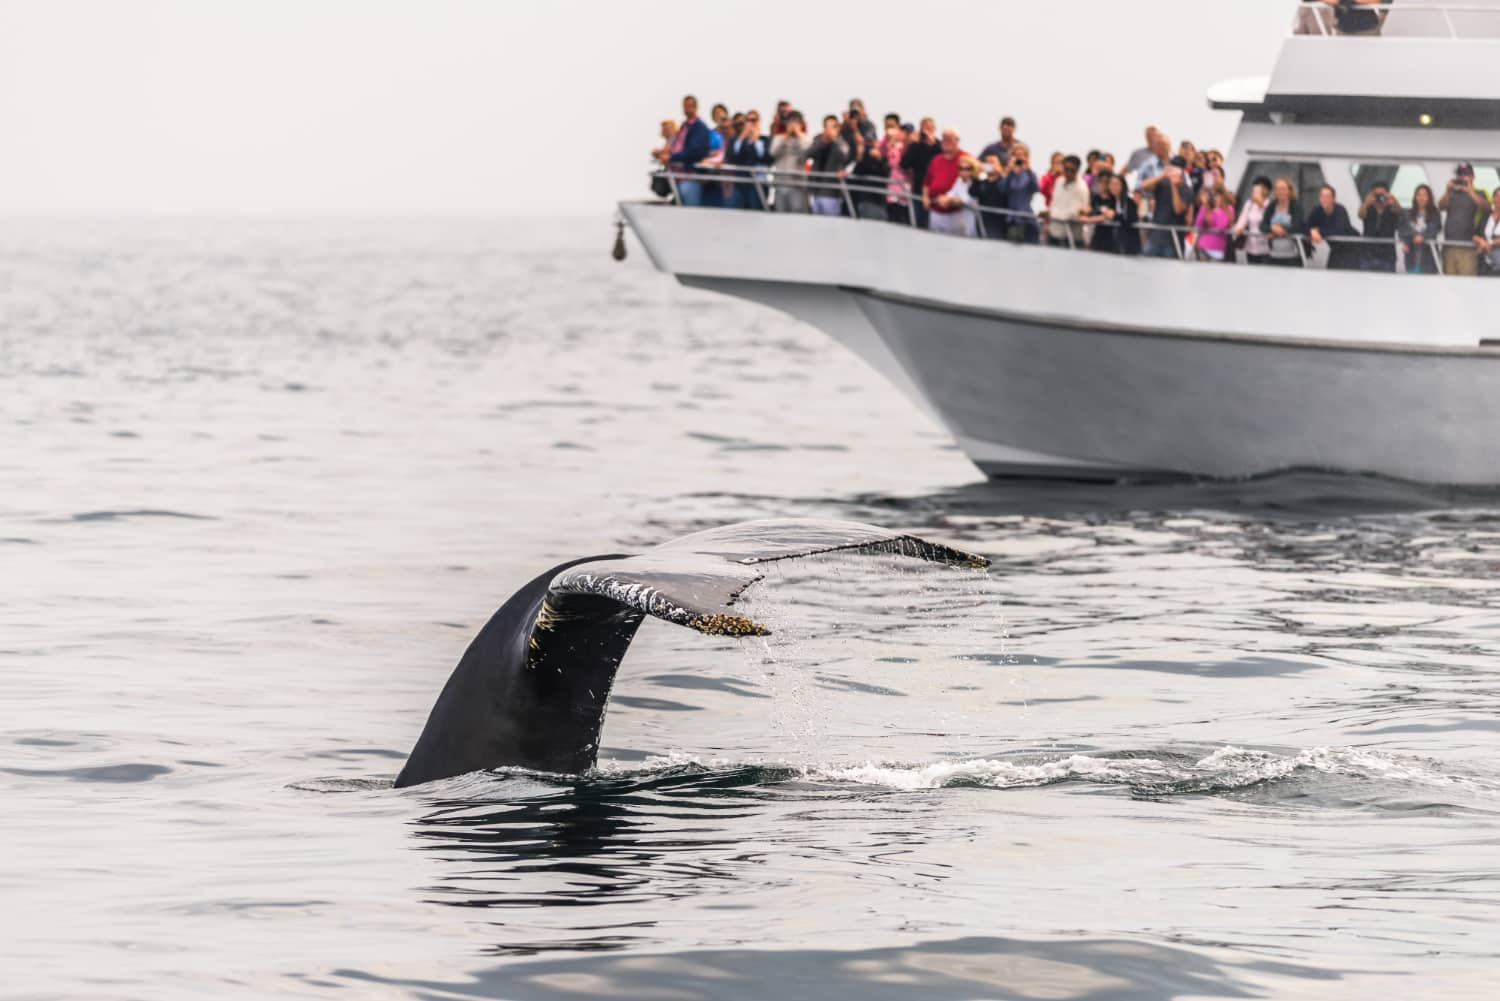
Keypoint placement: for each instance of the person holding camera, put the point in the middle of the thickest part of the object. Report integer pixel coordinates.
(789, 152)
(1381, 217)
(1465, 207)
(1020, 186)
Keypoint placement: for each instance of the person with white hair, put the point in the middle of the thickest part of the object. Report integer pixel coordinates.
(946, 195)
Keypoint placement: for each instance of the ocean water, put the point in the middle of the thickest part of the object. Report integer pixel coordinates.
(262, 481)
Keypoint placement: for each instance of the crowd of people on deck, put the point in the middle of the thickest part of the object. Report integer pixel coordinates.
(1163, 201)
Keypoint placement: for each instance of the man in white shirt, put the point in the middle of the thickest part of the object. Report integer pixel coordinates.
(1070, 198)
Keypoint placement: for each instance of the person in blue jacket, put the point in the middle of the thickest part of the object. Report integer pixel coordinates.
(690, 145)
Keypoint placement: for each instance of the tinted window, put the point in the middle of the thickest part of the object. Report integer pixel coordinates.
(1306, 176)
(1402, 178)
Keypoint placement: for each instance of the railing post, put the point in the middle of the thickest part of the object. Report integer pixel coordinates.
(848, 201)
(672, 182)
(760, 196)
(911, 207)
(984, 232)
(1448, 19)
(1301, 249)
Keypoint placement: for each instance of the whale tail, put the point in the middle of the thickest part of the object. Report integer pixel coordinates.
(532, 689)
(696, 580)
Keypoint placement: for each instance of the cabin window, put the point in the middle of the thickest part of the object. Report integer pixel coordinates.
(1306, 176)
(1402, 178)
(1486, 178)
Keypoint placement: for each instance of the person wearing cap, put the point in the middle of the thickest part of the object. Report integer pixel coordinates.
(1465, 207)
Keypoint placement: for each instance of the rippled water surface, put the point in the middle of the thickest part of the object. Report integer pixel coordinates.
(263, 481)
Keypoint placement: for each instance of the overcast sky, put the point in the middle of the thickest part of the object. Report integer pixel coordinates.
(441, 106)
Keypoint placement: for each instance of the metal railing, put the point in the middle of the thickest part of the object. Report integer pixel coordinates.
(1317, 17)
(846, 188)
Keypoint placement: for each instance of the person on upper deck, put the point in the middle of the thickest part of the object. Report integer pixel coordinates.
(1420, 229)
(1257, 246)
(1048, 180)
(947, 206)
(1021, 187)
(1214, 219)
(987, 191)
(1328, 222)
(1282, 222)
(892, 146)
(1003, 146)
(829, 155)
(1171, 198)
(746, 157)
(953, 210)
(1114, 215)
(1357, 17)
(1144, 155)
(871, 173)
(1466, 207)
(789, 152)
(1070, 199)
(1381, 216)
(915, 160)
(690, 145)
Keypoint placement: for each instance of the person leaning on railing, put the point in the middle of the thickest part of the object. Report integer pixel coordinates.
(1419, 230)
(1328, 222)
(1381, 216)
(1282, 222)
(1114, 216)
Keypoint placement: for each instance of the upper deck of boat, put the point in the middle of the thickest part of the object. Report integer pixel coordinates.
(1431, 61)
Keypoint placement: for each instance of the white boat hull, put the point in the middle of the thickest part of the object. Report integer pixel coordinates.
(1056, 363)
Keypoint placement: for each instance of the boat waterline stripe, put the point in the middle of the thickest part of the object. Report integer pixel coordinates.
(1489, 350)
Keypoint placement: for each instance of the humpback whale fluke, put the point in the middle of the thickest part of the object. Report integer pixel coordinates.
(532, 688)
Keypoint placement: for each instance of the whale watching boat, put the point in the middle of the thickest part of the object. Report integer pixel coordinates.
(1104, 367)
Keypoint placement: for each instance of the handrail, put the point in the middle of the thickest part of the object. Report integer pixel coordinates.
(734, 174)
(1321, 14)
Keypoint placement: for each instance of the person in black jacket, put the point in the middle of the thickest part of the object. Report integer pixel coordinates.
(988, 192)
(1328, 222)
(690, 144)
(920, 152)
(1382, 220)
(1114, 215)
(870, 174)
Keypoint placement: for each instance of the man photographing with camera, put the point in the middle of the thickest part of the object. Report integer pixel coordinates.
(1381, 217)
(1465, 207)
